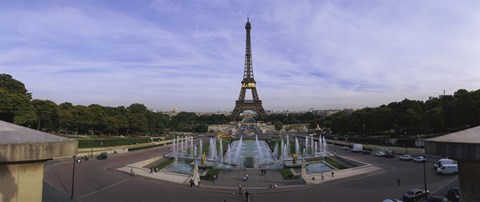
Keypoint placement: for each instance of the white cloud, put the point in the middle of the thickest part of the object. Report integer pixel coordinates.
(322, 54)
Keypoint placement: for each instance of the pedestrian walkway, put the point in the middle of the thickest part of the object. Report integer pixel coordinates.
(316, 178)
(228, 179)
(160, 175)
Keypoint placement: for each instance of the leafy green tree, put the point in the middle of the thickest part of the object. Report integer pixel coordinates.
(433, 120)
(98, 118)
(112, 125)
(47, 113)
(137, 108)
(201, 128)
(137, 122)
(15, 106)
(278, 125)
(82, 119)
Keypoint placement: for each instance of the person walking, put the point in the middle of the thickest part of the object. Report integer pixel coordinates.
(323, 176)
(333, 174)
(239, 189)
(247, 194)
(398, 181)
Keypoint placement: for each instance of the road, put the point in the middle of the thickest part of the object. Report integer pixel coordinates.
(97, 180)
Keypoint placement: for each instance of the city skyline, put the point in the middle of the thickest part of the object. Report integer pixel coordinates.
(190, 55)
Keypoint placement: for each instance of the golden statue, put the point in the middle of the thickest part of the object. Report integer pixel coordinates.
(294, 156)
(204, 159)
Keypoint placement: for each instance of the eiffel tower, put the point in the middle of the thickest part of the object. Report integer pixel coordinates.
(248, 82)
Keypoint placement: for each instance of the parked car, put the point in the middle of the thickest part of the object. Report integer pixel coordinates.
(392, 200)
(437, 198)
(420, 159)
(380, 153)
(366, 151)
(389, 154)
(346, 148)
(406, 157)
(453, 194)
(415, 194)
(102, 155)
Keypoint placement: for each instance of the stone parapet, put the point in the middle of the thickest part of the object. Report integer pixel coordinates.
(19, 144)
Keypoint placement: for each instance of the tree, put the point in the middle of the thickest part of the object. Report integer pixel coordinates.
(15, 106)
(137, 108)
(47, 113)
(201, 128)
(82, 119)
(278, 125)
(98, 115)
(137, 122)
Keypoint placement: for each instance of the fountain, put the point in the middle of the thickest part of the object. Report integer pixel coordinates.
(306, 146)
(229, 156)
(275, 152)
(312, 150)
(174, 150)
(324, 147)
(181, 145)
(248, 154)
(200, 151)
(282, 154)
(192, 150)
(220, 153)
(213, 149)
(238, 148)
(288, 146)
(259, 148)
(297, 147)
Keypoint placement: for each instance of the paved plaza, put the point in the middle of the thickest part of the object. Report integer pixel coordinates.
(104, 180)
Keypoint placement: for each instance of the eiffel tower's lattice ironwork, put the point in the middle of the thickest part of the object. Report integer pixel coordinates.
(248, 83)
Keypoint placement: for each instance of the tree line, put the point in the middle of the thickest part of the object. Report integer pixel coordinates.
(17, 106)
(409, 117)
(441, 114)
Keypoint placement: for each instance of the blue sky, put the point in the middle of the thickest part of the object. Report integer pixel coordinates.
(190, 54)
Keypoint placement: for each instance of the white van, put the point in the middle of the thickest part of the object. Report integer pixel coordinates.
(448, 169)
(442, 162)
(357, 148)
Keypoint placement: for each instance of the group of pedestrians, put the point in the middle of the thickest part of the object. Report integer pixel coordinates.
(153, 170)
(240, 191)
(245, 177)
(82, 158)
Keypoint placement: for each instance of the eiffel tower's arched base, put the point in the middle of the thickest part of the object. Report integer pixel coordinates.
(241, 106)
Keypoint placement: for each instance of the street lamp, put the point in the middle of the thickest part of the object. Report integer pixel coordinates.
(425, 179)
(73, 174)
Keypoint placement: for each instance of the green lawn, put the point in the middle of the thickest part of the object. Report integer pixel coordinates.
(288, 175)
(335, 164)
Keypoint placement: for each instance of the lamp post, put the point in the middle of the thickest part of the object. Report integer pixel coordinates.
(425, 180)
(73, 175)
